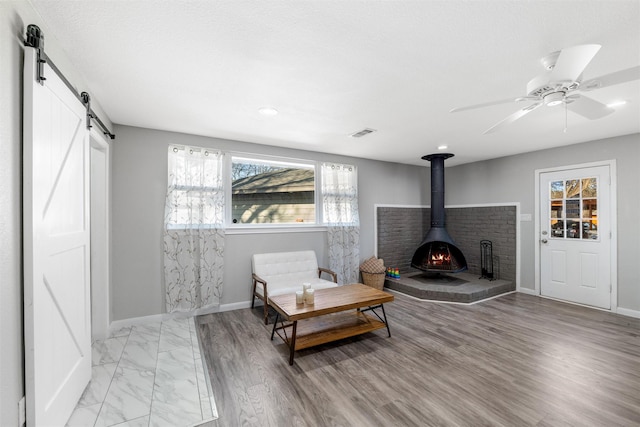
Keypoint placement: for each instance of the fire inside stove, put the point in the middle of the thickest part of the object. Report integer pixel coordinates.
(439, 256)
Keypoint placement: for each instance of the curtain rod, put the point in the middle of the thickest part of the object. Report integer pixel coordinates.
(192, 149)
(35, 39)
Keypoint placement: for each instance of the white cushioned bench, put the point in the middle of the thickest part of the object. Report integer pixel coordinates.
(280, 273)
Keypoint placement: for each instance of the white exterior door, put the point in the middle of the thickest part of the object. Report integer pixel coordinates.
(56, 248)
(575, 239)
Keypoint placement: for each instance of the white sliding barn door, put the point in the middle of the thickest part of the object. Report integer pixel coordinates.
(56, 248)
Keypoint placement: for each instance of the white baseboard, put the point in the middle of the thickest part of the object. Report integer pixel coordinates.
(628, 312)
(617, 310)
(527, 291)
(133, 321)
(223, 307)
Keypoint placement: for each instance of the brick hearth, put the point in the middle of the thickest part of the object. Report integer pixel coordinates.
(465, 288)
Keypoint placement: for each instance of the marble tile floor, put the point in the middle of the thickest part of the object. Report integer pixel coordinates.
(147, 375)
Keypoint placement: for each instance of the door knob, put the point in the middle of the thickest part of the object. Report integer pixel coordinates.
(544, 240)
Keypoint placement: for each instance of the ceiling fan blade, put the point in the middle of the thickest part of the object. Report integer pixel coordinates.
(572, 62)
(512, 118)
(486, 104)
(611, 79)
(589, 108)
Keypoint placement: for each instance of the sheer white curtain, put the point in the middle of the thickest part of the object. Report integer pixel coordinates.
(194, 229)
(340, 210)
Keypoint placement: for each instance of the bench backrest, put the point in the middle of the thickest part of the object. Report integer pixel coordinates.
(285, 267)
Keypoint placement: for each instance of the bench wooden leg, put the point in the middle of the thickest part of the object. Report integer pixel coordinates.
(253, 299)
(266, 312)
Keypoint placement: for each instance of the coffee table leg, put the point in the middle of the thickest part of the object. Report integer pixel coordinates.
(385, 320)
(274, 325)
(292, 343)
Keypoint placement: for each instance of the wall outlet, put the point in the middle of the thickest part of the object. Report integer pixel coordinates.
(525, 217)
(22, 412)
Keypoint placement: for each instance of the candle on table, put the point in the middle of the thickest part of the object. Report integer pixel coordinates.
(305, 286)
(309, 296)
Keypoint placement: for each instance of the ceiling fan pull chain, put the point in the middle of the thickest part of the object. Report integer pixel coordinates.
(565, 117)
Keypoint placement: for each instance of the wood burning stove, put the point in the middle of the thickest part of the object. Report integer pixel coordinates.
(438, 252)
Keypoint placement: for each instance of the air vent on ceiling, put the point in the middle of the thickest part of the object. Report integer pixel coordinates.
(363, 132)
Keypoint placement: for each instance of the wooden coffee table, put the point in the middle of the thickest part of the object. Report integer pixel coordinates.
(337, 313)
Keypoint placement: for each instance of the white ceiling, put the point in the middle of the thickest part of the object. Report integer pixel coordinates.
(332, 68)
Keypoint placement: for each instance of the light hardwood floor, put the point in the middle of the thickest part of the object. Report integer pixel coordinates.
(516, 360)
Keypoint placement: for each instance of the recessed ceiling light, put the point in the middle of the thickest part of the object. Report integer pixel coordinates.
(616, 104)
(442, 147)
(268, 111)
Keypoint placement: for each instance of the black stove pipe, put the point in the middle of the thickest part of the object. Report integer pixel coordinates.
(437, 187)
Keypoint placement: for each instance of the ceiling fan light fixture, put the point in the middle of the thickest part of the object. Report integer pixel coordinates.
(554, 98)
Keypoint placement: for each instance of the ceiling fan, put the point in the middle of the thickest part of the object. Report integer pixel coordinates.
(560, 83)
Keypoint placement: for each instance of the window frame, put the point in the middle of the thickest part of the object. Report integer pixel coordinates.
(245, 228)
(581, 220)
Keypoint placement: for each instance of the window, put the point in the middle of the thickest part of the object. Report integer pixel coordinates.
(266, 191)
(574, 208)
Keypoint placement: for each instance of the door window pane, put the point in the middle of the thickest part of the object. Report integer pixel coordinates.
(590, 229)
(556, 209)
(590, 208)
(590, 187)
(557, 228)
(572, 189)
(557, 190)
(573, 208)
(573, 229)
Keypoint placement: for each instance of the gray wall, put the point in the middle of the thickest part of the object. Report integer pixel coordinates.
(139, 182)
(139, 177)
(14, 17)
(512, 179)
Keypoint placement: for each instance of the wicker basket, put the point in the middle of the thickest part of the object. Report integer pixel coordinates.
(375, 280)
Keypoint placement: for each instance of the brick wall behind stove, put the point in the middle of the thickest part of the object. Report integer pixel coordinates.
(400, 231)
(467, 226)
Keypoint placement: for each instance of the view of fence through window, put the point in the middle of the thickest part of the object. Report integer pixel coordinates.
(272, 192)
